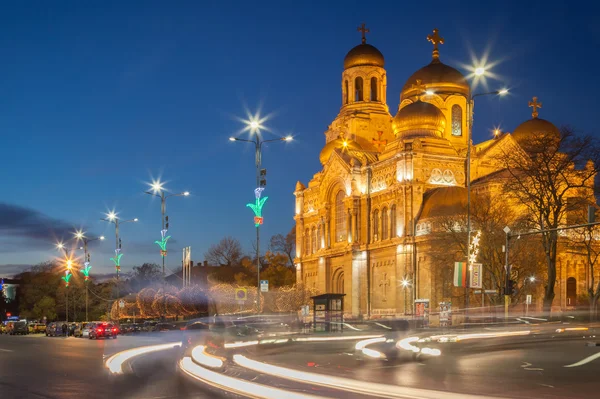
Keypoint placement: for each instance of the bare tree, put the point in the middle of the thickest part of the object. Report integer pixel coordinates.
(544, 179)
(285, 244)
(227, 252)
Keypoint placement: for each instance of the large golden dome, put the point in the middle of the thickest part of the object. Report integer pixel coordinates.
(342, 144)
(533, 126)
(438, 77)
(363, 54)
(419, 119)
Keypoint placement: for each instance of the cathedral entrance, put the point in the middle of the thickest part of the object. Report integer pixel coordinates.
(571, 291)
(337, 283)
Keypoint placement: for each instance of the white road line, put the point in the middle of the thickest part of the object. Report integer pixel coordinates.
(6, 350)
(584, 361)
(526, 367)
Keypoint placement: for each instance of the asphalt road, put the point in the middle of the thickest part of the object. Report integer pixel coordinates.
(37, 366)
(65, 368)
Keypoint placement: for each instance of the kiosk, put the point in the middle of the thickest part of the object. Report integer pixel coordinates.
(328, 312)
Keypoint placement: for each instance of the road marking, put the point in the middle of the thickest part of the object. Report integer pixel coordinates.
(584, 361)
(5, 350)
(526, 367)
(546, 385)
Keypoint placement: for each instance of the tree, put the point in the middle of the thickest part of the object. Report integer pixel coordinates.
(45, 307)
(277, 272)
(286, 245)
(227, 252)
(546, 179)
(145, 276)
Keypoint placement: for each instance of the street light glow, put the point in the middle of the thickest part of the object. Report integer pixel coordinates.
(254, 125)
(60, 245)
(111, 215)
(288, 138)
(156, 186)
(345, 143)
(532, 279)
(135, 220)
(101, 238)
(69, 264)
(479, 71)
(79, 234)
(503, 92)
(186, 193)
(404, 283)
(232, 139)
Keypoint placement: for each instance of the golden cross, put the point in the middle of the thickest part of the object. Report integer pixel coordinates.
(378, 142)
(535, 105)
(435, 39)
(363, 30)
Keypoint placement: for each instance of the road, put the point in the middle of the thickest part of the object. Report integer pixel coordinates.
(65, 368)
(36, 366)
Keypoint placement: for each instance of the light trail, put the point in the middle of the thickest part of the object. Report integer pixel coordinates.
(322, 339)
(240, 344)
(585, 361)
(236, 385)
(349, 385)
(200, 356)
(115, 362)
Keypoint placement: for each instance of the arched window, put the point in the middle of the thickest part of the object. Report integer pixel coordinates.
(375, 225)
(358, 89)
(384, 224)
(340, 217)
(456, 120)
(307, 242)
(571, 291)
(373, 89)
(393, 227)
(338, 282)
(314, 240)
(346, 92)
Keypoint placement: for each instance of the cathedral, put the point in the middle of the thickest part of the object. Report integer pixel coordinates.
(362, 222)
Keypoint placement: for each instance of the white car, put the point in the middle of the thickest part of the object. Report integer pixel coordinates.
(83, 330)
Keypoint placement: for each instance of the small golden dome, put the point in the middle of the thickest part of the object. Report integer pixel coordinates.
(438, 77)
(363, 54)
(343, 144)
(419, 119)
(531, 127)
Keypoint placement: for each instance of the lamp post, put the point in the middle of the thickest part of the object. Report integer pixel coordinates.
(405, 283)
(480, 71)
(112, 217)
(66, 277)
(254, 126)
(79, 235)
(159, 191)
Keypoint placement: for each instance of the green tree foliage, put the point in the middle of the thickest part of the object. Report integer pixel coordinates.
(285, 244)
(45, 307)
(146, 275)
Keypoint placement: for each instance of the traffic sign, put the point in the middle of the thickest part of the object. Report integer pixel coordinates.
(264, 285)
(241, 294)
(121, 304)
(528, 300)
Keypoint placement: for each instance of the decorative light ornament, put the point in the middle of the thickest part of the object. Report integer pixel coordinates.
(67, 277)
(163, 242)
(117, 259)
(257, 206)
(474, 248)
(86, 271)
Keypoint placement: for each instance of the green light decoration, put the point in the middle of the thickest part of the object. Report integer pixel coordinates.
(86, 271)
(163, 242)
(257, 206)
(67, 277)
(117, 259)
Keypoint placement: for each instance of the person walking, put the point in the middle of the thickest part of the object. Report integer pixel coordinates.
(64, 329)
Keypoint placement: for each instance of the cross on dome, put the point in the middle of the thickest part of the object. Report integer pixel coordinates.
(535, 105)
(363, 29)
(436, 39)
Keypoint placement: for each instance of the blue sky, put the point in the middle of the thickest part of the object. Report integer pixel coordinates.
(99, 97)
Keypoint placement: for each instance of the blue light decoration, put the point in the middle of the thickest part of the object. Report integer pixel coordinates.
(257, 206)
(163, 242)
(117, 259)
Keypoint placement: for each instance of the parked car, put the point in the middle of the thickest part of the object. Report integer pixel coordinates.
(82, 330)
(149, 325)
(166, 327)
(54, 329)
(20, 328)
(3, 329)
(102, 330)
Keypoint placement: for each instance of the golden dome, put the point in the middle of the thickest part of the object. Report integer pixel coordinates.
(363, 54)
(535, 125)
(438, 77)
(344, 144)
(444, 201)
(419, 119)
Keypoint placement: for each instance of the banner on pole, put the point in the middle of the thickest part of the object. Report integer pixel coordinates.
(460, 274)
(476, 275)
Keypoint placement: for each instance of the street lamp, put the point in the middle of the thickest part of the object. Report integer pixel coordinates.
(405, 284)
(68, 266)
(254, 127)
(80, 236)
(112, 217)
(159, 191)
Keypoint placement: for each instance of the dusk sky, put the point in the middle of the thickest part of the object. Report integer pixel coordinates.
(98, 98)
